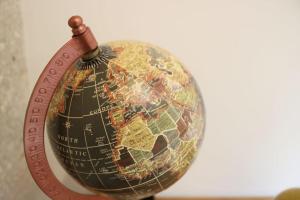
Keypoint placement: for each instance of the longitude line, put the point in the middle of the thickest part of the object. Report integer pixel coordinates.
(156, 178)
(68, 120)
(107, 133)
(88, 151)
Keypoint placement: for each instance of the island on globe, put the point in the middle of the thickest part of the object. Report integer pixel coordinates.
(126, 120)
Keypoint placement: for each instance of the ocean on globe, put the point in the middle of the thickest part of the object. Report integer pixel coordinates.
(126, 120)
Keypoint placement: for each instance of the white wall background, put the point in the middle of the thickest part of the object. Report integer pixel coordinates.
(245, 57)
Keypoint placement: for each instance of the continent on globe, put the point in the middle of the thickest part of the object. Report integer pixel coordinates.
(127, 122)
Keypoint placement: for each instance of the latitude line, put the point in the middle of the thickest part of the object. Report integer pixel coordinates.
(89, 147)
(66, 157)
(81, 172)
(72, 117)
(84, 148)
(91, 114)
(107, 133)
(81, 88)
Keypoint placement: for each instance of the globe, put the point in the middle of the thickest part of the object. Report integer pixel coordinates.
(126, 120)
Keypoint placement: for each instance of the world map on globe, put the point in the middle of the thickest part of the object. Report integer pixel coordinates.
(127, 122)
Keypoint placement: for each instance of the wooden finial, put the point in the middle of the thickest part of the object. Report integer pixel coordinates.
(76, 23)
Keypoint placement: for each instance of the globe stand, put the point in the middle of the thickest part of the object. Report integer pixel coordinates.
(81, 43)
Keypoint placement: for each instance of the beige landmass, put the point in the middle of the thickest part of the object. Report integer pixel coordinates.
(185, 155)
(187, 97)
(138, 136)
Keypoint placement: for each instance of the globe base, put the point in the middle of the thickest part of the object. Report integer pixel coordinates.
(149, 198)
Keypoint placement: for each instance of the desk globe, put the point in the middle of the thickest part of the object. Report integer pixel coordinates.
(126, 119)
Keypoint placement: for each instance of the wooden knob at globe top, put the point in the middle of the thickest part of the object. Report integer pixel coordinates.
(76, 23)
(290, 194)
